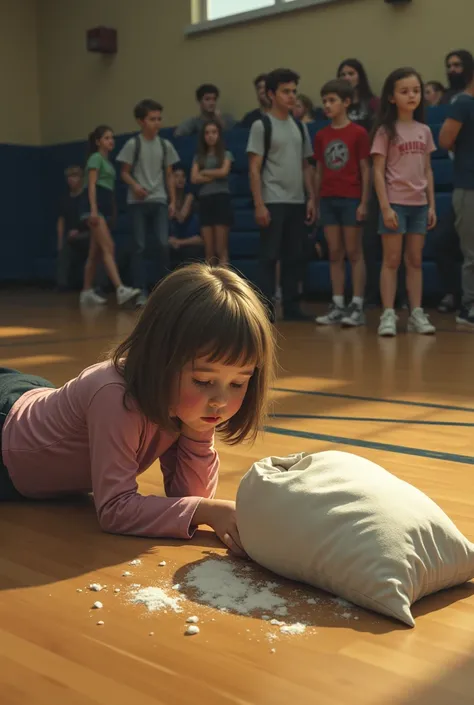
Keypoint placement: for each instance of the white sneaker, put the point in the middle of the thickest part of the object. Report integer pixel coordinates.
(332, 317)
(141, 301)
(126, 293)
(354, 316)
(388, 323)
(420, 323)
(88, 297)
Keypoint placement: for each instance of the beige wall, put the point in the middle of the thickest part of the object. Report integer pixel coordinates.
(19, 108)
(79, 90)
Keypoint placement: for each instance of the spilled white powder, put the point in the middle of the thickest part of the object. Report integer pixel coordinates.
(100, 623)
(219, 585)
(162, 564)
(341, 602)
(192, 620)
(126, 573)
(313, 601)
(277, 623)
(136, 561)
(97, 605)
(296, 628)
(155, 599)
(96, 587)
(117, 590)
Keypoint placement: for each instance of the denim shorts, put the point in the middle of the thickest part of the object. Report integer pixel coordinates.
(339, 211)
(412, 220)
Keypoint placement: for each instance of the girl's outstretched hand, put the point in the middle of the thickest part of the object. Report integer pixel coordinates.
(220, 515)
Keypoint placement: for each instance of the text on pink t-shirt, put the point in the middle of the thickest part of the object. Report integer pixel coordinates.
(405, 177)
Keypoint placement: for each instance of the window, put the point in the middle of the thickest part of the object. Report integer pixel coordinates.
(225, 8)
(210, 14)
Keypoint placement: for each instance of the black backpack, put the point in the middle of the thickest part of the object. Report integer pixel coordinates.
(267, 137)
(136, 156)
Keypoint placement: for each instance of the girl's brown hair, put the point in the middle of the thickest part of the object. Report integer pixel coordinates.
(307, 103)
(202, 147)
(198, 311)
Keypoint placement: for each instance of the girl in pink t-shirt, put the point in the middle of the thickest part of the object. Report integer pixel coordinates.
(200, 360)
(403, 178)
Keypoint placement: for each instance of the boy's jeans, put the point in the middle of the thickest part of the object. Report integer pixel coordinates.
(463, 203)
(149, 218)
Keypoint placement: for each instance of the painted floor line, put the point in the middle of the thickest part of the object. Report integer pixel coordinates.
(335, 395)
(364, 419)
(373, 445)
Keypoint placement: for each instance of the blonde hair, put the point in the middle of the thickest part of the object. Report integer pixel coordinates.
(199, 311)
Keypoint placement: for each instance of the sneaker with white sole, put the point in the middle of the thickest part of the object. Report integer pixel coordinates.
(465, 316)
(420, 323)
(332, 317)
(354, 316)
(88, 297)
(388, 323)
(126, 293)
(141, 300)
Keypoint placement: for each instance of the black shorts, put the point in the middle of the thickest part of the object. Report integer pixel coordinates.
(13, 385)
(105, 203)
(216, 210)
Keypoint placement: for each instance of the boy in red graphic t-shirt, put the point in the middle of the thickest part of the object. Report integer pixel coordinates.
(342, 185)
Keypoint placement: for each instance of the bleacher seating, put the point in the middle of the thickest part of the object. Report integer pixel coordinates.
(29, 242)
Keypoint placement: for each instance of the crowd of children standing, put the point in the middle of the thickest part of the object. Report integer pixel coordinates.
(369, 143)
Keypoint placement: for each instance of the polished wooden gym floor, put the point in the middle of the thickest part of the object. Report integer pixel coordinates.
(406, 403)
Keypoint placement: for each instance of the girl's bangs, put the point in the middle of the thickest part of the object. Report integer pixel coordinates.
(235, 338)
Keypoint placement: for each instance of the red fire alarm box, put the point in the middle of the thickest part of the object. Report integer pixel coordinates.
(102, 40)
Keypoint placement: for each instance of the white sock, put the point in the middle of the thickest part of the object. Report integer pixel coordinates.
(358, 300)
(339, 301)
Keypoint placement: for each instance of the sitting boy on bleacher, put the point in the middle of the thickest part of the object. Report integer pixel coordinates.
(185, 242)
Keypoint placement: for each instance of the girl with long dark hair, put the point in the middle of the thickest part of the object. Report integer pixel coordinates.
(364, 103)
(98, 207)
(211, 168)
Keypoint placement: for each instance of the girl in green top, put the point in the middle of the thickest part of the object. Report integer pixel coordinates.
(98, 207)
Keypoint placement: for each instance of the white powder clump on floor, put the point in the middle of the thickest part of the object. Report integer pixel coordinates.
(137, 561)
(190, 631)
(126, 573)
(162, 564)
(100, 623)
(313, 601)
(277, 623)
(219, 585)
(95, 587)
(192, 620)
(155, 599)
(296, 628)
(97, 605)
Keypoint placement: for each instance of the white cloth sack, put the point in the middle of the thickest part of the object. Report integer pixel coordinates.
(344, 524)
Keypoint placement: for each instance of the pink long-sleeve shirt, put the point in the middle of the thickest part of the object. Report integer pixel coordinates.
(81, 437)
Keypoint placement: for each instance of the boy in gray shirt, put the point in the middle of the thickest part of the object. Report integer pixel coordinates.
(282, 189)
(207, 96)
(147, 162)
